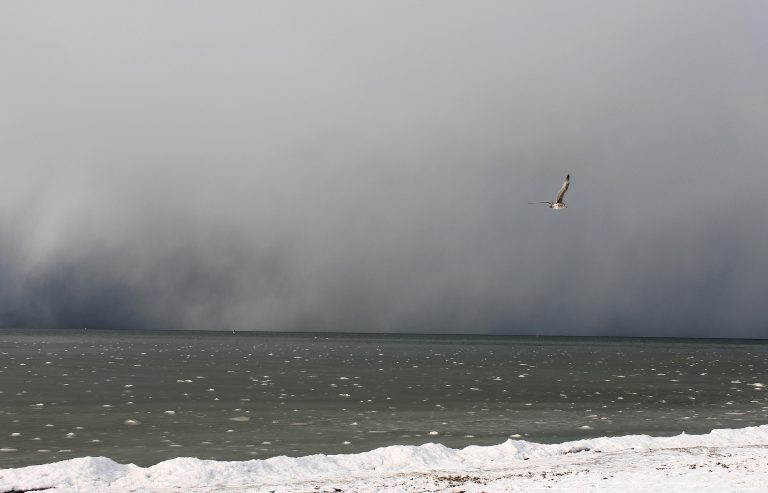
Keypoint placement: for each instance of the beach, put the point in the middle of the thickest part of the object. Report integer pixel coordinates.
(721, 461)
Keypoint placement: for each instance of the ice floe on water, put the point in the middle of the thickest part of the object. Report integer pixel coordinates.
(728, 459)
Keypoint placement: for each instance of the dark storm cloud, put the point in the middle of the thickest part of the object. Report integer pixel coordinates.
(366, 166)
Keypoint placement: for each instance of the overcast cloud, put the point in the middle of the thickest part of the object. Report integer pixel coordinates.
(366, 166)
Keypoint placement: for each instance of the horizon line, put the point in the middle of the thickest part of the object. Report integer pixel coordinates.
(360, 333)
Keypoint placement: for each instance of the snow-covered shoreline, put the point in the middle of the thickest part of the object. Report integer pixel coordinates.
(723, 460)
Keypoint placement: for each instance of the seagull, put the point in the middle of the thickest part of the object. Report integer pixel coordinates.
(558, 203)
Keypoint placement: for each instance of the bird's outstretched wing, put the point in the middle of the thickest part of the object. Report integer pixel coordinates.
(563, 189)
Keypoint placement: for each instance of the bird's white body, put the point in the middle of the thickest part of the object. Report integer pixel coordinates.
(558, 203)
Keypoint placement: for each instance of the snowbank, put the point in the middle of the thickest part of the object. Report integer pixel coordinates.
(473, 465)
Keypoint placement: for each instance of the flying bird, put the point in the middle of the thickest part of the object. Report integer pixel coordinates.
(558, 203)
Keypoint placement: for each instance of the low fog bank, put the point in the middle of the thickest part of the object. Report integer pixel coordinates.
(297, 167)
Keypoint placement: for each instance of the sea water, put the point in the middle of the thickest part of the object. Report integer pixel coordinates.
(147, 396)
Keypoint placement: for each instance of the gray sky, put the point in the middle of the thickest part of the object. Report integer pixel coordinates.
(366, 166)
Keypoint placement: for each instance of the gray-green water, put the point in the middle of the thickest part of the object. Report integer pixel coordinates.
(144, 397)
